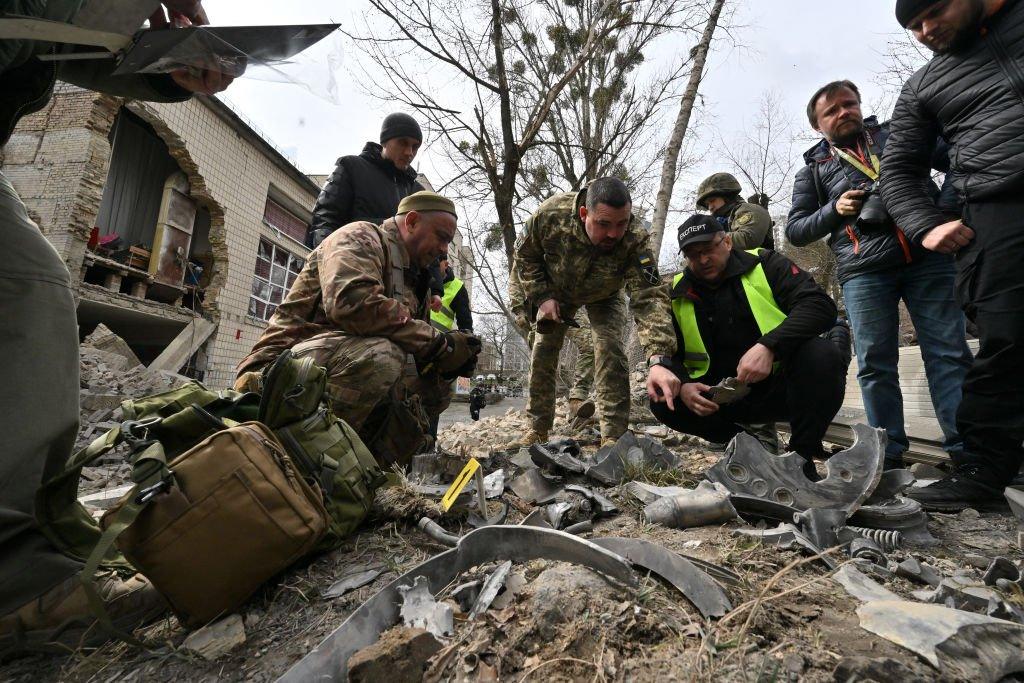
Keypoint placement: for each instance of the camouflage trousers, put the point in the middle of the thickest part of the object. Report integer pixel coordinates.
(611, 376)
(583, 338)
(366, 372)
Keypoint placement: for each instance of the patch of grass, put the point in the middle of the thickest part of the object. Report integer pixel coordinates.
(657, 476)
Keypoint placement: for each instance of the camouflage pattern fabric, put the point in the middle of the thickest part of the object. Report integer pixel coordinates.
(749, 224)
(611, 374)
(347, 286)
(348, 313)
(523, 314)
(555, 259)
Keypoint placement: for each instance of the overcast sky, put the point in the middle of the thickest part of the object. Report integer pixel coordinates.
(788, 46)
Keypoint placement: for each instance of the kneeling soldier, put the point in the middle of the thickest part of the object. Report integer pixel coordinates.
(360, 308)
(754, 316)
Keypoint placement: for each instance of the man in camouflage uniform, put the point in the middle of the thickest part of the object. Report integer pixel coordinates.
(749, 224)
(580, 404)
(751, 227)
(359, 307)
(580, 250)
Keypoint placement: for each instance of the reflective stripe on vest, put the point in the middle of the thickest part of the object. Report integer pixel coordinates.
(762, 303)
(445, 318)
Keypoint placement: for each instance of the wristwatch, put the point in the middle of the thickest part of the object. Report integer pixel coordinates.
(664, 361)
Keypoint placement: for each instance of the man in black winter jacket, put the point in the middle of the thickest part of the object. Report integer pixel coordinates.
(972, 92)
(878, 266)
(756, 317)
(368, 187)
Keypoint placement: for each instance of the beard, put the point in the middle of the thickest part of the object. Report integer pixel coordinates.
(963, 35)
(851, 131)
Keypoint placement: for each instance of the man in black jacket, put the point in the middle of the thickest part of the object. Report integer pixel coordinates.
(756, 317)
(368, 187)
(972, 92)
(878, 266)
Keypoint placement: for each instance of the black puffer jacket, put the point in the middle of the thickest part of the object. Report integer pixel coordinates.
(857, 251)
(367, 187)
(975, 99)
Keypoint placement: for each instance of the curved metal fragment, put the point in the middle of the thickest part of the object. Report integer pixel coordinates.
(706, 595)
(328, 661)
(853, 473)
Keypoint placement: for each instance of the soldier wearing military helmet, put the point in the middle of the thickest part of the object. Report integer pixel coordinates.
(749, 224)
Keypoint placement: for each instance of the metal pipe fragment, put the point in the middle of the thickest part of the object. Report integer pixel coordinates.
(437, 532)
(579, 527)
(699, 507)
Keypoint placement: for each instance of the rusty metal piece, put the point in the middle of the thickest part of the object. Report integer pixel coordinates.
(748, 468)
(329, 659)
(706, 595)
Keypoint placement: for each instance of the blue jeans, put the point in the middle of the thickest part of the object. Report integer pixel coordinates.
(872, 300)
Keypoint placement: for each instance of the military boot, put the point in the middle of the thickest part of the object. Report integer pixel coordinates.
(531, 437)
(968, 486)
(61, 619)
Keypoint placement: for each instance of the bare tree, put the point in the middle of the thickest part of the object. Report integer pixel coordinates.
(669, 167)
(486, 73)
(764, 153)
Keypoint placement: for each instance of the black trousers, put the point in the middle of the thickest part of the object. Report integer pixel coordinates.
(807, 392)
(990, 288)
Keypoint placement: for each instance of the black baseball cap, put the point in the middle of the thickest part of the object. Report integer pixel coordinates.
(700, 227)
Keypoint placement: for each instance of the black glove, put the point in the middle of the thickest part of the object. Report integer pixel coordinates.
(454, 352)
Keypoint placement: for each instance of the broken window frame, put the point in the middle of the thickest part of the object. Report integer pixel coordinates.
(276, 217)
(264, 287)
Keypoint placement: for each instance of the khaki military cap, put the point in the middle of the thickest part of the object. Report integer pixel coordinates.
(425, 200)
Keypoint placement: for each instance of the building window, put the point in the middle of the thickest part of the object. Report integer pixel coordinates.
(280, 218)
(276, 270)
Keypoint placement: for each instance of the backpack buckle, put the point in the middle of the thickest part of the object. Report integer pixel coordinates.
(148, 493)
(136, 432)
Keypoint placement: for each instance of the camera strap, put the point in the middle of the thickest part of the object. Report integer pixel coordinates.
(867, 164)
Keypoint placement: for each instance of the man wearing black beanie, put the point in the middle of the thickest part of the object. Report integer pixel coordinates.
(972, 91)
(368, 187)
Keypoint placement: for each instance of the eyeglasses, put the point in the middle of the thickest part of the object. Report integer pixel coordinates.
(695, 253)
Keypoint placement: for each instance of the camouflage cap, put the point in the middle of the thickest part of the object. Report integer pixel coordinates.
(723, 184)
(425, 200)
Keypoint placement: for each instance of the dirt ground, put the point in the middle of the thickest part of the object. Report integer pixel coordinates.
(789, 620)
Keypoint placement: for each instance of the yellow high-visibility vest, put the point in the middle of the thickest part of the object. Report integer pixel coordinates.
(766, 312)
(444, 319)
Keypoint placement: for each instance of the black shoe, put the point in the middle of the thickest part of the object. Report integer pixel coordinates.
(967, 487)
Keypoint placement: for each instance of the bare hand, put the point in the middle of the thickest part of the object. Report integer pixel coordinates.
(756, 364)
(183, 13)
(549, 311)
(435, 303)
(663, 386)
(849, 202)
(202, 81)
(690, 394)
(948, 238)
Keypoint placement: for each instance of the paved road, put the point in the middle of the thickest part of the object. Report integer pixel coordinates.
(459, 412)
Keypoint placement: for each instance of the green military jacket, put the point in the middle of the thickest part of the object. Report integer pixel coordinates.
(749, 224)
(27, 82)
(555, 259)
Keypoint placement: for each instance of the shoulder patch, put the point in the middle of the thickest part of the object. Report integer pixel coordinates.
(648, 268)
(744, 218)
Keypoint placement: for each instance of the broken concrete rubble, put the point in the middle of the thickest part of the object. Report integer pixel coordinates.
(400, 656)
(216, 639)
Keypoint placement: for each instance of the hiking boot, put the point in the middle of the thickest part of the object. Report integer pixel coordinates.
(966, 487)
(581, 409)
(531, 437)
(61, 618)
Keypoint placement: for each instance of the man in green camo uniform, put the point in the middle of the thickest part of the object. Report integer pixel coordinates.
(581, 250)
(580, 404)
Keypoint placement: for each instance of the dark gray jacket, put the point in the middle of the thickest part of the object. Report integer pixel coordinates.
(813, 214)
(975, 99)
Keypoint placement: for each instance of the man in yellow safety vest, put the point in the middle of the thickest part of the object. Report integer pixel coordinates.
(452, 312)
(756, 317)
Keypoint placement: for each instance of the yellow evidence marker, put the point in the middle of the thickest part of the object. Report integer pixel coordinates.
(465, 476)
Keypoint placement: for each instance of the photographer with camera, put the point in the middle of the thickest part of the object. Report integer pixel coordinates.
(836, 195)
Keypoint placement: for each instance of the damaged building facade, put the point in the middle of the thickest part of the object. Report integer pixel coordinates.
(181, 225)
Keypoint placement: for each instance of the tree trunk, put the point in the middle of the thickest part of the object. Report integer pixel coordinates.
(675, 143)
